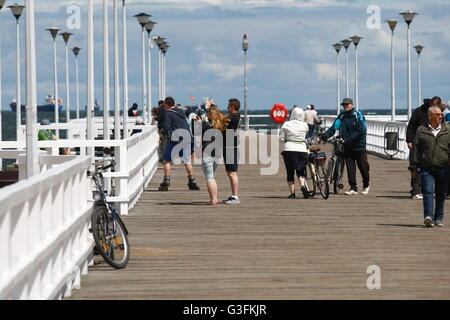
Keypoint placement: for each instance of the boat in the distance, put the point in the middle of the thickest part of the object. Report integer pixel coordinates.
(49, 105)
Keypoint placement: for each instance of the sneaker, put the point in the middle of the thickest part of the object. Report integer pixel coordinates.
(351, 192)
(439, 224)
(232, 200)
(417, 197)
(428, 222)
(365, 190)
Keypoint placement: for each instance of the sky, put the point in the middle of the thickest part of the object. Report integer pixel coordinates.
(290, 58)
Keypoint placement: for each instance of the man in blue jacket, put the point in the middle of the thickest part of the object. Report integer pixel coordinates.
(175, 119)
(352, 127)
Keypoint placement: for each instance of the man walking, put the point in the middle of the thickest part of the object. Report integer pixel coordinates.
(430, 158)
(418, 118)
(231, 149)
(311, 119)
(352, 126)
(175, 119)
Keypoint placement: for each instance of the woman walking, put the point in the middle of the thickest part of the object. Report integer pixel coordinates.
(214, 127)
(295, 151)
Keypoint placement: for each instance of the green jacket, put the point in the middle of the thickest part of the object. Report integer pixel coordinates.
(429, 152)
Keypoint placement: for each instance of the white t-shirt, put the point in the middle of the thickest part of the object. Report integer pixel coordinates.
(293, 134)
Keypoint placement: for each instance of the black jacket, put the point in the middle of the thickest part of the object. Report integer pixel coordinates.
(174, 119)
(352, 128)
(418, 118)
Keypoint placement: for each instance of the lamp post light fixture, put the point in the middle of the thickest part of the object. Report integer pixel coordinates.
(2, 3)
(125, 70)
(408, 16)
(346, 43)
(245, 48)
(337, 47)
(392, 23)
(66, 36)
(356, 39)
(76, 51)
(419, 49)
(17, 11)
(142, 19)
(54, 32)
(149, 27)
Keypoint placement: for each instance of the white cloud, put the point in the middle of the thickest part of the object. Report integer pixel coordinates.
(325, 71)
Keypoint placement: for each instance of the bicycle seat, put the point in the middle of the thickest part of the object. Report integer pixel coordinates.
(314, 149)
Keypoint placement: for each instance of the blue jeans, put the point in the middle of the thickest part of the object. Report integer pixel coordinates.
(438, 180)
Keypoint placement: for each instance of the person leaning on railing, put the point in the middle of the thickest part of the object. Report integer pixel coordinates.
(430, 159)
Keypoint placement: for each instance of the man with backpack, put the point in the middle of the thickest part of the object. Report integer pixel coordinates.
(352, 127)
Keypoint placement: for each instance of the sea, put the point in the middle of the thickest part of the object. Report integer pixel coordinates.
(9, 118)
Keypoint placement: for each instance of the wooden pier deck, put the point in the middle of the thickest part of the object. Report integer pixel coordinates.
(271, 247)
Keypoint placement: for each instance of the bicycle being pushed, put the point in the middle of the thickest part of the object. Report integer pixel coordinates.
(108, 229)
(316, 174)
(336, 164)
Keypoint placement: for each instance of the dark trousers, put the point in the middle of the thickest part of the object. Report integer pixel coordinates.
(416, 184)
(434, 190)
(310, 133)
(295, 162)
(353, 158)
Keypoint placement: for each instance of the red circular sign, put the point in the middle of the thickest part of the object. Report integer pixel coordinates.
(279, 113)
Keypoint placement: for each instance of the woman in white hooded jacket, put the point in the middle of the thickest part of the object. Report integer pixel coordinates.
(295, 150)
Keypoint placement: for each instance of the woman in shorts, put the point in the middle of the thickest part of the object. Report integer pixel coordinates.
(212, 128)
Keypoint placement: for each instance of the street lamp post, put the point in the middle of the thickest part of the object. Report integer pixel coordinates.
(54, 32)
(125, 70)
(2, 2)
(356, 40)
(164, 49)
(142, 19)
(392, 23)
(106, 102)
(76, 51)
(116, 74)
(337, 47)
(17, 11)
(149, 27)
(90, 77)
(408, 16)
(31, 104)
(66, 37)
(419, 49)
(346, 43)
(159, 41)
(245, 48)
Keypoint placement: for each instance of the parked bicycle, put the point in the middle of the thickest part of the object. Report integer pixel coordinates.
(108, 229)
(316, 174)
(336, 164)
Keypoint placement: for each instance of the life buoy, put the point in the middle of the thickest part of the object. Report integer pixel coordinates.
(279, 113)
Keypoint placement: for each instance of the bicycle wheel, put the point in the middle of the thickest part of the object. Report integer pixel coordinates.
(110, 238)
(322, 181)
(338, 176)
(309, 180)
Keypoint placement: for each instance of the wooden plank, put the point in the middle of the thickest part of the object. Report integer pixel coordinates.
(271, 247)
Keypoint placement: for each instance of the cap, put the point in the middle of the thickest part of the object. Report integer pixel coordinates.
(346, 101)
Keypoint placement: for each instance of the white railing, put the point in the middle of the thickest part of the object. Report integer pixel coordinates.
(136, 158)
(45, 243)
(376, 126)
